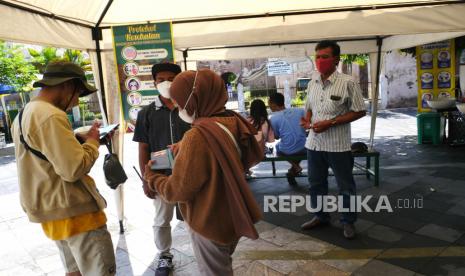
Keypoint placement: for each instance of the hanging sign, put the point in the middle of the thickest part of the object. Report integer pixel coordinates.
(137, 48)
(278, 67)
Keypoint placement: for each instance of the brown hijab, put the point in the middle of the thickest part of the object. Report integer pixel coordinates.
(208, 99)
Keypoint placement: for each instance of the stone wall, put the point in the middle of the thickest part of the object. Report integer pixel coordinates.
(398, 81)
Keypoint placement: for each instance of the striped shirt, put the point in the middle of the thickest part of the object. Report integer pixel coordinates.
(338, 95)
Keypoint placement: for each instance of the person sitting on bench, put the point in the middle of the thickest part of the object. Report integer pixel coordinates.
(259, 119)
(286, 126)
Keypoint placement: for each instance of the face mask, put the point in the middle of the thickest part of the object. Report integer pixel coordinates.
(186, 117)
(183, 112)
(325, 65)
(164, 89)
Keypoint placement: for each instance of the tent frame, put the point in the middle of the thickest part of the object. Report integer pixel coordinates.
(96, 31)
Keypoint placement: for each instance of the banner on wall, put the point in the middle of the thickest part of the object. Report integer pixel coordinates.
(137, 48)
(436, 72)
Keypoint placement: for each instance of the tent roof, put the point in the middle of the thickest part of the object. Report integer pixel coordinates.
(138, 11)
(268, 25)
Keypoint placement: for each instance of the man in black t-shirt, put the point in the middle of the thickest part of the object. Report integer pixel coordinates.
(158, 126)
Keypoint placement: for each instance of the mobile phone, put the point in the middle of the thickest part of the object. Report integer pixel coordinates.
(104, 131)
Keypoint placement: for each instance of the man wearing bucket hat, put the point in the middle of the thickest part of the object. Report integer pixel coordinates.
(158, 126)
(53, 167)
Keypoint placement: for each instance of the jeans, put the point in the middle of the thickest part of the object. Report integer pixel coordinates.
(342, 164)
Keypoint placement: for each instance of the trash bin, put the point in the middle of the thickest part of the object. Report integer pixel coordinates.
(430, 128)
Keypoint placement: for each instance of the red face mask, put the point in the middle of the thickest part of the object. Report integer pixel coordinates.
(325, 65)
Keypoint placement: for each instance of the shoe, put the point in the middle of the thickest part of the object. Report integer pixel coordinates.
(292, 172)
(164, 266)
(349, 231)
(314, 222)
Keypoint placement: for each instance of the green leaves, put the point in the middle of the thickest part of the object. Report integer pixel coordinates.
(360, 59)
(77, 57)
(14, 69)
(18, 72)
(50, 54)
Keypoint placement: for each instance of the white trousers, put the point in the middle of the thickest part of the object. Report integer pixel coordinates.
(161, 224)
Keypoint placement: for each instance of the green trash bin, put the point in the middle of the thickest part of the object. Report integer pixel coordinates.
(430, 128)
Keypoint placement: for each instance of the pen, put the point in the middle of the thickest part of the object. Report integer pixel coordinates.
(138, 173)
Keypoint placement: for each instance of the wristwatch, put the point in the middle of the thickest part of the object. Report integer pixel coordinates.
(333, 122)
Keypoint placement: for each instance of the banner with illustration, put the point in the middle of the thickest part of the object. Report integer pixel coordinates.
(436, 72)
(137, 48)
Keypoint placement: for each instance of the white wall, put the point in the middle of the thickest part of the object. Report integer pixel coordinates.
(399, 81)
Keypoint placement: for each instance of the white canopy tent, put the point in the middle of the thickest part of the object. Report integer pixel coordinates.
(224, 29)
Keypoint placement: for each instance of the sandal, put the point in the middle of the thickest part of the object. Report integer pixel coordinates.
(293, 172)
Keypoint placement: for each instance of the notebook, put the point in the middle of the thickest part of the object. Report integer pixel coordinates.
(163, 159)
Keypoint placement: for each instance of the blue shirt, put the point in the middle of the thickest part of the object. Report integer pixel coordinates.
(286, 127)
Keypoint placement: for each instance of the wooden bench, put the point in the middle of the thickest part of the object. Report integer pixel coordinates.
(369, 168)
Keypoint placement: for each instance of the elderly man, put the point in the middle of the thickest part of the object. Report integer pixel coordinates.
(334, 100)
(53, 167)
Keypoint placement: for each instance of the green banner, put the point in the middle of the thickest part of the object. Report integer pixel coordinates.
(137, 48)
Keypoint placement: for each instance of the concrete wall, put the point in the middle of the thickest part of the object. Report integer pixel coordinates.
(398, 81)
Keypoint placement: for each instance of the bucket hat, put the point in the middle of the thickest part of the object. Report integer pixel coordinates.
(59, 72)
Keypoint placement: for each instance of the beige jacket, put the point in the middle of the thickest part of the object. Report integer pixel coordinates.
(60, 188)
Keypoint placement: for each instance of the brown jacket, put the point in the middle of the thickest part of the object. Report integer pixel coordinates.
(197, 184)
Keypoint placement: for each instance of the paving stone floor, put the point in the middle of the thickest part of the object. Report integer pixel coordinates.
(408, 241)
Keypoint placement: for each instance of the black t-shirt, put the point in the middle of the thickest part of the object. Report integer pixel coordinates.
(153, 126)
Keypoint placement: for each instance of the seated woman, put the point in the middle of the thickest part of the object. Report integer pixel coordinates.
(207, 181)
(259, 119)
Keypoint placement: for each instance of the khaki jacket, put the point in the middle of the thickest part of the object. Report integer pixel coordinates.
(60, 187)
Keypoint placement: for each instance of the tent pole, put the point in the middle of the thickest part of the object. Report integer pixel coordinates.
(119, 192)
(97, 36)
(184, 55)
(374, 102)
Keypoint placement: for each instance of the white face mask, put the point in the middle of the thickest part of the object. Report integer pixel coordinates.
(186, 117)
(183, 112)
(164, 89)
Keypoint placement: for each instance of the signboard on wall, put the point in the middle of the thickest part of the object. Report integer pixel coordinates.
(278, 67)
(137, 48)
(436, 72)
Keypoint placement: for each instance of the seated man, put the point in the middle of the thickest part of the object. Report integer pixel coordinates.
(286, 126)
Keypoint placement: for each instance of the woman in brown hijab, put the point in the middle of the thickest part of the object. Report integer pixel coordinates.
(208, 175)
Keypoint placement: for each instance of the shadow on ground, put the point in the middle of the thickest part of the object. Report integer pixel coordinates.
(426, 189)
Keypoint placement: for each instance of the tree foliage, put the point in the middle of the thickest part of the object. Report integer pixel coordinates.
(50, 54)
(77, 57)
(15, 70)
(360, 59)
(44, 57)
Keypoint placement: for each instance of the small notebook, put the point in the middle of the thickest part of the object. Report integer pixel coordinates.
(163, 159)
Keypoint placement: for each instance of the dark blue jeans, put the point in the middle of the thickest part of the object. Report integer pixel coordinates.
(342, 164)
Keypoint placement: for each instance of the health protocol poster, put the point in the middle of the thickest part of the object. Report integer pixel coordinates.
(137, 48)
(436, 72)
